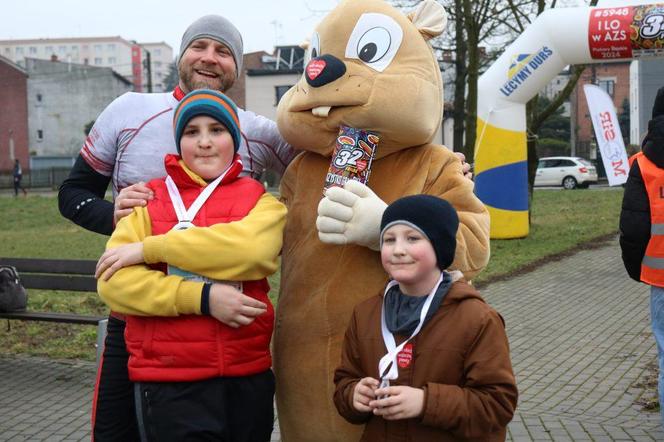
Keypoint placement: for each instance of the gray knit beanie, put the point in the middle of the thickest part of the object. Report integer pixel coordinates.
(217, 28)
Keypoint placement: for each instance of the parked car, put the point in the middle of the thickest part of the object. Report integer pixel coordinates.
(569, 172)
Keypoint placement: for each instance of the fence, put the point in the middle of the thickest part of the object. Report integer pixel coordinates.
(50, 178)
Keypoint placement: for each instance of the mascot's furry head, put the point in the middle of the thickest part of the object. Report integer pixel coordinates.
(370, 67)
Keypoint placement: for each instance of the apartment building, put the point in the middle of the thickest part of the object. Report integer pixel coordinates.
(64, 98)
(125, 57)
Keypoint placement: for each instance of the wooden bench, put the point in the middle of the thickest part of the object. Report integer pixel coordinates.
(57, 274)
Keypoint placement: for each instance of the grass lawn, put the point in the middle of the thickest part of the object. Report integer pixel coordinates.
(32, 227)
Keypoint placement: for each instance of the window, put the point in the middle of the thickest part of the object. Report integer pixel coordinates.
(97, 48)
(62, 49)
(111, 60)
(19, 51)
(110, 47)
(608, 86)
(280, 91)
(49, 50)
(32, 50)
(8, 51)
(97, 60)
(40, 135)
(39, 98)
(74, 48)
(157, 52)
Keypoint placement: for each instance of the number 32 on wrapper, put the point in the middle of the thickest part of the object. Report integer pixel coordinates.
(352, 157)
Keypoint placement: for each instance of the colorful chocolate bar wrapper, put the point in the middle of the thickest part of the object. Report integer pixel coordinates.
(352, 157)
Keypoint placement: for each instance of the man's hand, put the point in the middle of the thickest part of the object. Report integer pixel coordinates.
(350, 216)
(363, 394)
(114, 259)
(465, 167)
(232, 307)
(401, 402)
(135, 195)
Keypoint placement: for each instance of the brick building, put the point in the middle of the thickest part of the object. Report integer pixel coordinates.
(614, 79)
(13, 116)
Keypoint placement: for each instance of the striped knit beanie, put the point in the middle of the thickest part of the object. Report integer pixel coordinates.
(211, 103)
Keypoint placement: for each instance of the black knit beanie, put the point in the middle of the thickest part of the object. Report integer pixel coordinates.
(433, 216)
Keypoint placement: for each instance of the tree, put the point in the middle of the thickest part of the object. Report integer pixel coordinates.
(172, 79)
(470, 24)
(537, 115)
(623, 120)
(557, 126)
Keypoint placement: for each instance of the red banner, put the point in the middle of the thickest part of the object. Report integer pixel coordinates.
(626, 32)
(609, 33)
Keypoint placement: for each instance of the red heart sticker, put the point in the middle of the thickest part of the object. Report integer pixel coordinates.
(314, 68)
(405, 356)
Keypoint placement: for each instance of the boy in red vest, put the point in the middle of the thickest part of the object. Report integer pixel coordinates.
(428, 359)
(642, 225)
(200, 361)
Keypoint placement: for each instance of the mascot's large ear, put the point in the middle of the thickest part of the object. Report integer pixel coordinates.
(429, 18)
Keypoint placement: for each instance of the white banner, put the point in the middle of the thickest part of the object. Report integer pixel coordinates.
(607, 132)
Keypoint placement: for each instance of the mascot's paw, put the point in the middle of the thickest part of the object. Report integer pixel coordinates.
(350, 216)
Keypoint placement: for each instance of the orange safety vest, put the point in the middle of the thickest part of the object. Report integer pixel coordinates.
(652, 265)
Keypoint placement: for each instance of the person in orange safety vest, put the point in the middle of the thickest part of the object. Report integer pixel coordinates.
(642, 225)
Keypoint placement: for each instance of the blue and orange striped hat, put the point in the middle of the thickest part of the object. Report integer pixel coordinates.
(214, 104)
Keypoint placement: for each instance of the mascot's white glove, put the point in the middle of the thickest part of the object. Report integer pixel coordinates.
(350, 216)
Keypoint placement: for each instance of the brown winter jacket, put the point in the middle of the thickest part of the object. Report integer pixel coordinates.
(461, 360)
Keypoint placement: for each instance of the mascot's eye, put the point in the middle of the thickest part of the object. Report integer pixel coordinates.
(373, 45)
(375, 40)
(314, 48)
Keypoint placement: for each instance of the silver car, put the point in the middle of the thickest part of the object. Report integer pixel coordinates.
(569, 172)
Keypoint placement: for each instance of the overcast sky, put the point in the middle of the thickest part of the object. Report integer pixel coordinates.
(263, 23)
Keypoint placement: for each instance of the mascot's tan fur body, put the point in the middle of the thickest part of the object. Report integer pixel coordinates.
(400, 97)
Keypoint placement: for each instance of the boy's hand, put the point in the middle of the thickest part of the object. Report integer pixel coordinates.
(364, 393)
(401, 402)
(114, 259)
(232, 307)
(135, 195)
(465, 167)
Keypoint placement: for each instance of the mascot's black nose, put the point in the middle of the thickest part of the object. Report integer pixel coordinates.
(323, 70)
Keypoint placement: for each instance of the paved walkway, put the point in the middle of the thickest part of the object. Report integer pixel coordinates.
(580, 338)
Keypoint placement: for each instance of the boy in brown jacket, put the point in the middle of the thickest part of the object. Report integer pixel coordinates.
(428, 359)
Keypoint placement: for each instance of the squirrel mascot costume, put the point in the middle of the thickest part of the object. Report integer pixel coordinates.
(371, 68)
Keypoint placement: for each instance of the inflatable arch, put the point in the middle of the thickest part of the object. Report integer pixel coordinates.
(557, 38)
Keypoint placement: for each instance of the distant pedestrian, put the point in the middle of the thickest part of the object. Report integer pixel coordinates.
(18, 176)
(642, 226)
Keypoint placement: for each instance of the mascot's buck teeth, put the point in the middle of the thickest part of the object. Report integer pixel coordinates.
(321, 111)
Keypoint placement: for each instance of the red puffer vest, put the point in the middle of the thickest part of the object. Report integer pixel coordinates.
(193, 347)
